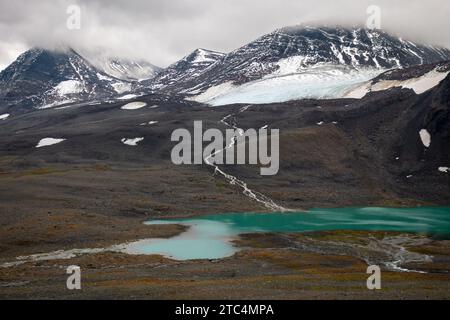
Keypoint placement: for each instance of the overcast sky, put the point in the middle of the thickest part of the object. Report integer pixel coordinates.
(163, 31)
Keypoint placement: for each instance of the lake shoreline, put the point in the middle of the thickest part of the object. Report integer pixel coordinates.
(272, 266)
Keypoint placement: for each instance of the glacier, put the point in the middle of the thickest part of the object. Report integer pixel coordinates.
(291, 82)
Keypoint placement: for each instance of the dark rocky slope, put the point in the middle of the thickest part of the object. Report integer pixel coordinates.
(342, 152)
(353, 48)
(42, 78)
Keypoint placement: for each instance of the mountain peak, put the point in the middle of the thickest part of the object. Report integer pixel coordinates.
(294, 50)
(42, 78)
(192, 65)
(356, 47)
(201, 56)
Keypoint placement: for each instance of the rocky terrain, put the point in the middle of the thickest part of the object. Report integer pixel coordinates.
(93, 190)
(87, 174)
(372, 146)
(326, 62)
(297, 49)
(41, 79)
(271, 266)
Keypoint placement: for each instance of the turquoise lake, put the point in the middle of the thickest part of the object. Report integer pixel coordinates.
(210, 237)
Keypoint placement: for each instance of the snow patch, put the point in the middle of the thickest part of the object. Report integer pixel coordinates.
(425, 136)
(128, 97)
(359, 92)
(419, 85)
(132, 142)
(55, 104)
(48, 142)
(69, 87)
(425, 82)
(202, 57)
(444, 169)
(291, 65)
(213, 92)
(102, 77)
(4, 116)
(121, 87)
(134, 106)
(149, 123)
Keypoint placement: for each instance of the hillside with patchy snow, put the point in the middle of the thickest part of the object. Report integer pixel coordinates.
(288, 64)
(297, 63)
(183, 71)
(41, 79)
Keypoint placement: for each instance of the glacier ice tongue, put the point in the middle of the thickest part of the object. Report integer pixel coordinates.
(319, 82)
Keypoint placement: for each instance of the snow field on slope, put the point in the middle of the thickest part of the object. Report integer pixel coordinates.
(48, 142)
(290, 82)
(133, 106)
(419, 85)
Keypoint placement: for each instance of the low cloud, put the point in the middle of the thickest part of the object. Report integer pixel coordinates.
(164, 31)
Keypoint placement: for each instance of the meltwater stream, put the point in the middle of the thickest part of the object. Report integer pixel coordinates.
(210, 237)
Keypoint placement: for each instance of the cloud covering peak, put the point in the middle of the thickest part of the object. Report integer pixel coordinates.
(162, 32)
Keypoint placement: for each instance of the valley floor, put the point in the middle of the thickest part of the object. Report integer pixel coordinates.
(92, 191)
(271, 266)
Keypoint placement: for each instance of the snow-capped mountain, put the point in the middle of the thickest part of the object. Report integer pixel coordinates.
(288, 64)
(300, 62)
(41, 78)
(188, 68)
(124, 69)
